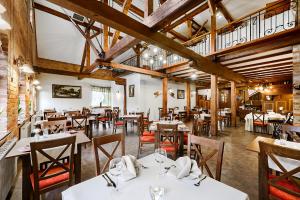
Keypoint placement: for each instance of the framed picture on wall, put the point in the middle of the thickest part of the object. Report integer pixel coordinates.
(180, 94)
(66, 91)
(131, 90)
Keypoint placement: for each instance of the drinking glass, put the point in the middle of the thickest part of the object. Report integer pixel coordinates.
(156, 192)
(160, 157)
(283, 138)
(115, 169)
(45, 132)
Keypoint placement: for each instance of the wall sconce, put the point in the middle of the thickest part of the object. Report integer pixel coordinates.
(4, 25)
(23, 66)
(38, 87)
(35, 82)
(157, 93)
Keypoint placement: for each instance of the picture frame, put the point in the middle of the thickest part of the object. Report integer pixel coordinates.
(131, 90)
(66, 91)
(180, 94)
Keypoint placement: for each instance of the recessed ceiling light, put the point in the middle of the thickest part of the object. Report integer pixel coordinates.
(175, 58)
(164, 62)
(194, 76)
(160, 58)
(146, 55)
(155, 50)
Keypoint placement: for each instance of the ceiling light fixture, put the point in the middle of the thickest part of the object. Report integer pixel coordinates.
(164, 62)
(26, 68)
(155, 50)
(160, 58)
(151, 61)
(194, 76)
(35, 82)
(175, 58)
(38, 87)
(146, 55)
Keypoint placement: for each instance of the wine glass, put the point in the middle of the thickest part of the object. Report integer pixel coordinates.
(115, 169)
(45, 132)
(160, 157)
(283, 138)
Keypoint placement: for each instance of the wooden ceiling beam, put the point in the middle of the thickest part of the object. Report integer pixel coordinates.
(132, 69)
(263, 67)
(132, 8)
(125, 9)
(224, 11)
(177, 69)
(168, 11)
(174, 65)
(261, 64)
(63, 68)
(211, 5)
(103, 13)
(65, 17)
(269, 71)
(178, 35)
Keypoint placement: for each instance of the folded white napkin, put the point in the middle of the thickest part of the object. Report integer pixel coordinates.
(185, 167)
(128, 166)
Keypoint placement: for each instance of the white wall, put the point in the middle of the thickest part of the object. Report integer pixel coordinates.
(45, 99)
(206, 92)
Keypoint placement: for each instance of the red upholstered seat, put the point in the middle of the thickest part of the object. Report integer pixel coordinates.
(51, 181)
(167, 146)
(260, 123)
(148, 133)
(185, 138)
(119, 123)
(281, 194)
(103, 119)
(147, 139)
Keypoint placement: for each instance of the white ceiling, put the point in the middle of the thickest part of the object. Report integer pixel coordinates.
(58, 39)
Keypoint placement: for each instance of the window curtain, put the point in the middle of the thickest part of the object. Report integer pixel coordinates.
(101, 95)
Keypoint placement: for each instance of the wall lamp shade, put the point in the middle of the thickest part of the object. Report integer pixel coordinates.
(3, 24)
(38, 87)
(2, 9)
(35, 82)
(26, 68)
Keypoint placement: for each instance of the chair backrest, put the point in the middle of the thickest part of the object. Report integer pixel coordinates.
(53, 115)
(57, 118)
(197, 123)
(140, 113)
(198, 144)
(168, 135)
(86, 111)
(79, 122)
(46, 111)
(52, 151)
(273, 152)
(55, 126)
(258, 117)
(72, 113)
(98, 143)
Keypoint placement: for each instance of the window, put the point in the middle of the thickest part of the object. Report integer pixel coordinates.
(101, 95)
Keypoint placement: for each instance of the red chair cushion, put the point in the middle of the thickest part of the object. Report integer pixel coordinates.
(281, 194)
(260, 123)
(148, 133)
(103, 119)
(119, 123)
(50, 181)
(166, 146)
(147, 139)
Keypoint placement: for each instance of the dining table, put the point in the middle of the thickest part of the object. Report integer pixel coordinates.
(149, 176)
(128, 118)
(268, 116)
(20, 150)
(182, 128)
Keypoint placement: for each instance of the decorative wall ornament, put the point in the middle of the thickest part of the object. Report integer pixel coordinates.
(131, 90)
(66, 91)
(157, 93)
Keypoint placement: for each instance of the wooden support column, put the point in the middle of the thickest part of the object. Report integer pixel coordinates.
(188, 98)
(165, 96)
(189, 24)
(233, 103)
(105, 35)
(213, 21)
(148, 8)
(214, 105)
(125, 100)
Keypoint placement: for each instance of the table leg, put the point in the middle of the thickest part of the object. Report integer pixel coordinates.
(77, 164)
(26, 186)
(181, 138)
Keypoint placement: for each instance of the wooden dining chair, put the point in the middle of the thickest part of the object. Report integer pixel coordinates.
(55, 126)
(72, 113)
(56, 174)
(79, 123)
(292, 131)
(145, 136)
(57, 118)
(117, 123)
(53, 115)
(107, 118)
(167, 138)
(214, 148)
(283, 185)
(259, 121)
(98, 142)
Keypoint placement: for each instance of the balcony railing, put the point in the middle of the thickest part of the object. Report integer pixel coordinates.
(270, 20)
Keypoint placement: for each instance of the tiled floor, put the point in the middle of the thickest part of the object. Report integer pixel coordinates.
(239, 165)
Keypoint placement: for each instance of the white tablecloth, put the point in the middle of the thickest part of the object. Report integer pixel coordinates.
(138, 188)
(181, 125)
(249, 121)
